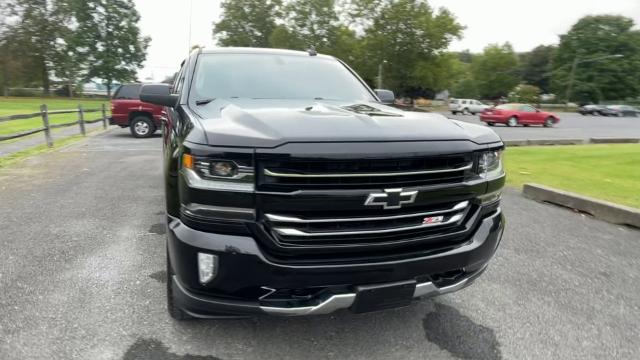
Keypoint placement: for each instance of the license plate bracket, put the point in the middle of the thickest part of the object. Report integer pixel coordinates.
(385, 296)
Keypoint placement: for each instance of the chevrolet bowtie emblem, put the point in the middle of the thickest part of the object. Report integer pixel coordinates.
(391, 198)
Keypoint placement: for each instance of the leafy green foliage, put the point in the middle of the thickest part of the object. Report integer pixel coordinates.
(408, 37)
(465, 89)
(35, 37)
(536, 66)
(109, 35)
(247, 23)
(495, 71)
(591, 38)
(524, 93)
(70, 39)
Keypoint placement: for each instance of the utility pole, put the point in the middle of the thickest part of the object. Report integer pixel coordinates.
(380, 73)
(572, 74)
(190, 19)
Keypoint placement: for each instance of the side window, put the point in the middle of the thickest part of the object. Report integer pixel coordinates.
(178, 82)
(527, 108)
(128, 92)
(464, 102)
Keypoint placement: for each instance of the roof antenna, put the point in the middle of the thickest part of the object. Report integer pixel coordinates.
(312, 50)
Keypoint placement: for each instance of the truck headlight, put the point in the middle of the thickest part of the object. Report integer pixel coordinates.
(217, 174)
(490, 164)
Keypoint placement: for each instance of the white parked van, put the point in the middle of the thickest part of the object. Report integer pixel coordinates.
(466, 106)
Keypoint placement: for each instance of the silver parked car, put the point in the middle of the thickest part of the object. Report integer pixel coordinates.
(466, 106)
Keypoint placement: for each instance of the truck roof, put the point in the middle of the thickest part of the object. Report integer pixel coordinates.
(249, 50)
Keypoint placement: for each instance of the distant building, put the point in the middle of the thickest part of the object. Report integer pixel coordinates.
(95, 88)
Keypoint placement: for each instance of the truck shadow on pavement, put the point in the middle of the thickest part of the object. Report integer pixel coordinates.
(459, 335)
(152, 349)
(444, 326)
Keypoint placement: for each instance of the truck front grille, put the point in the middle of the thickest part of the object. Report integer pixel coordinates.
(293, 174)
(348, 231)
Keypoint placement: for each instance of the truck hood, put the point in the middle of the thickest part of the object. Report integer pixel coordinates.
(268, 123)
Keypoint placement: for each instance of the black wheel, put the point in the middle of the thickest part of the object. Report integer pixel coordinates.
(465, 111)
(174, 311)
(513, 121)
(549, 122)
(142, 127)
(526, 125)
(454, 112)
(491, 124)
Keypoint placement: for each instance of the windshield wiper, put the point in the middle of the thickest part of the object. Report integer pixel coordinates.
(204, 101)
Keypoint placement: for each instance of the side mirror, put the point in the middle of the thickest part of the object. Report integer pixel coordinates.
(385, 96)
(158, 94)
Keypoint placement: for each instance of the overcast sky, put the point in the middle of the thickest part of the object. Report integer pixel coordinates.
(524, 23)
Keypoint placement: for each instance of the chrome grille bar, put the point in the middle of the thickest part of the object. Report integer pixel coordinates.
(338, 175)
(291, 219)
(296, 232)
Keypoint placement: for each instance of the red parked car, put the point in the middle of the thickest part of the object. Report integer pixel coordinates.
(128, 111)
(515, 114)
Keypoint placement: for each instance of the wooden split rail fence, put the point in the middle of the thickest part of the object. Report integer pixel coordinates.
(47, 126)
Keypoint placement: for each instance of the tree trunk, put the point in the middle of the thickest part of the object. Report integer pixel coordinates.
(45, 76)
(5, 74)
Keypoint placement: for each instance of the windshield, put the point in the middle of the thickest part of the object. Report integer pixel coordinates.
(508, 107)
(269, 76)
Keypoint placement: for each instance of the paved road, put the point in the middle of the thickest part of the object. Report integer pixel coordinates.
(82, 276)
(571, 126)
(10, 147)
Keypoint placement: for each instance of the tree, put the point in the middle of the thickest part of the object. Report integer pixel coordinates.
(525, 93)
(247, 23)
(596, 37)
(465, 89)
(409, 36)
(314, 22)
(495, 71)
(110, 40)
(35, 36)
(536, 66)
(441, 72)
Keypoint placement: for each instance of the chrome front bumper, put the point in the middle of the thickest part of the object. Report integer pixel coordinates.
(344, 301)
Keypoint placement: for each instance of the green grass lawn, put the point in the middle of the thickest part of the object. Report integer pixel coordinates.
(607, 172)
(18, 105)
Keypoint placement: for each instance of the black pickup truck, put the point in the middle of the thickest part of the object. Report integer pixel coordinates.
(292, 189)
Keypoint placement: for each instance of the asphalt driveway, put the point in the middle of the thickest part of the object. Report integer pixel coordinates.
(82, 276)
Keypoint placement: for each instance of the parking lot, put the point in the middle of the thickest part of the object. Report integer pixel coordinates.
(83, 276)
(571, 126)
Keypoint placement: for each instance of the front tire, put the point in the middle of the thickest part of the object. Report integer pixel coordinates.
(491, 124)
(142, 127)
(465, 111)
(549, 122)
(513, 121)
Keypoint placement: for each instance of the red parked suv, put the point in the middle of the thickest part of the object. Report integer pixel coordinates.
(128, 111)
